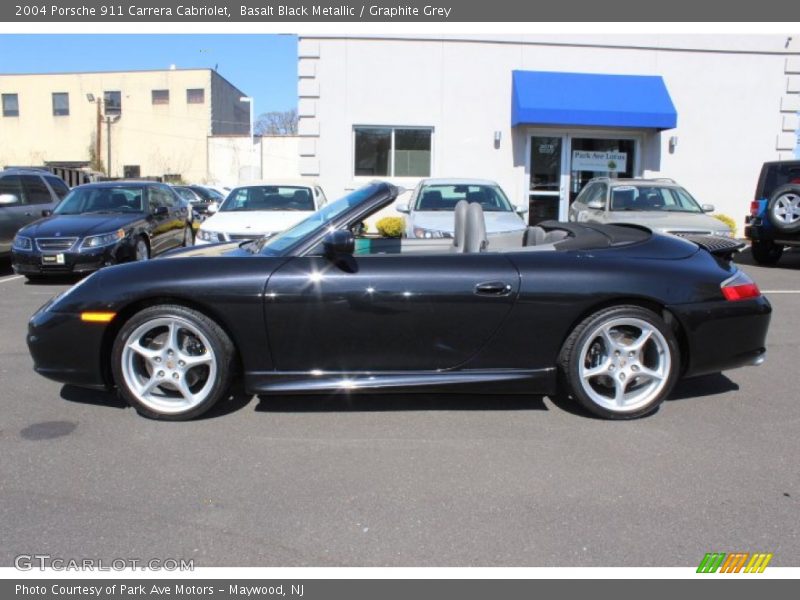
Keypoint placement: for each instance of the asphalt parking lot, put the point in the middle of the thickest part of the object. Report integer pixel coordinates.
(405, 480)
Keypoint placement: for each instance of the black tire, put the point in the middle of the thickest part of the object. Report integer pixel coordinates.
(220, 347)
(35, 278)
(584, 335)
(766, 252)
(785, 194)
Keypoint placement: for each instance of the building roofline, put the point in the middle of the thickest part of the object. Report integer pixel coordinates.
(46, 73)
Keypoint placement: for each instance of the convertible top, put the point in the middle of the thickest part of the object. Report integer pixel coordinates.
(582, 236)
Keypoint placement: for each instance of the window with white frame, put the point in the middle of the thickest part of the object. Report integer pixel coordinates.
(392, 151)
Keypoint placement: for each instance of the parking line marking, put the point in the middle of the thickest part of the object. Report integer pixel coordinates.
(12, 278)
(780, 291)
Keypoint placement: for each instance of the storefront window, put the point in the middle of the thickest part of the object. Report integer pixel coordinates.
(398, 152)
(593, 157)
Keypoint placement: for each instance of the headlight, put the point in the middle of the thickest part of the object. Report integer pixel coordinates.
(421, 232)
(22, 243)
(103, 239)
(210, 236)
(724, 233)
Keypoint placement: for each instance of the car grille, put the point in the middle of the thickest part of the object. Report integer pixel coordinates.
(55, 244)
(235, 237)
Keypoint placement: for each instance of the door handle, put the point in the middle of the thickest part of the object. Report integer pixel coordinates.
(493, 288)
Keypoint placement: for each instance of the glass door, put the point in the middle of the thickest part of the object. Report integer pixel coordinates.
(547, 175)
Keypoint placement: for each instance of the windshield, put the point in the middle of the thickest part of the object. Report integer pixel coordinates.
(207, 194)
(269, 197)
(186, 194)
(650, 198)
(317, 221)
(443, 197)
(109, 199)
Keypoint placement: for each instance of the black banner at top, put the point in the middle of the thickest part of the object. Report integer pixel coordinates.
(453, 11)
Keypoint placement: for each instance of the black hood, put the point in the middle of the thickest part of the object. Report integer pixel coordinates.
(80, 225)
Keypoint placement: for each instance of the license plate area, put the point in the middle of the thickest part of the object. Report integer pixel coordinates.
(53, 259)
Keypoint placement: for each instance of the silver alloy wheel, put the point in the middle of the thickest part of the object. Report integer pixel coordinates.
(169, 365)
(141, 250)
(787, 208)
(624, 364)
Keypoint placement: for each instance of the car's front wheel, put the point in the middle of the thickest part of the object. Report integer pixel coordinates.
(621, 362)
(172, 362)
(766, 252)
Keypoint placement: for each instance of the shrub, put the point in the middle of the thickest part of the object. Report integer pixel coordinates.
(728, 221)
(391, 227)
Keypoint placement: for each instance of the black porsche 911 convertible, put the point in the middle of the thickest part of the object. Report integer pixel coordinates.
(612, 315)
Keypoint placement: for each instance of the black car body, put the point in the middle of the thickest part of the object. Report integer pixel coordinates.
(25, 195)
(774, 219)
(101, 224)
(315, 310)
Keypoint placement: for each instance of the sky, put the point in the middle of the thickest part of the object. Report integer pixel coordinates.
(262, 66)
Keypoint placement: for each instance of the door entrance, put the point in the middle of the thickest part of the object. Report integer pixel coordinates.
(561, 163)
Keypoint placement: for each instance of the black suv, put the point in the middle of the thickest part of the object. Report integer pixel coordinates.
(774, 220)
(26, 195)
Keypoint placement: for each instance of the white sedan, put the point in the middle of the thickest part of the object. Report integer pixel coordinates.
(430, 209)
(258, 209)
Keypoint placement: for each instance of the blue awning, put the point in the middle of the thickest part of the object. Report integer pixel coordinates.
(550, 98)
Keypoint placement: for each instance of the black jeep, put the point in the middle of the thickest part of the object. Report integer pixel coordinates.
(774, 220)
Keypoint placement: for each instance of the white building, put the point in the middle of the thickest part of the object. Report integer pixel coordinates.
(522, 109)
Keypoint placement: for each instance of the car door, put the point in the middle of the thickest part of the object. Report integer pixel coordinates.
(13, 210)
(178, 215)
(38, 197)
(160, 221)
(386, 312)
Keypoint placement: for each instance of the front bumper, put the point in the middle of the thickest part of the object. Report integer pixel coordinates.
(66, 349)
(86, 261)
(724, 335)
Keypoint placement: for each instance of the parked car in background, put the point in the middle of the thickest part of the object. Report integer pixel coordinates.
(260, 209)
(101, 224)
(25, 195)
(432, 202)
(658, 204)
(204, 201)
(774, 220)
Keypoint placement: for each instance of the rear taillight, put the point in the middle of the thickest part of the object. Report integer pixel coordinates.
(755, 206)
(739, 287)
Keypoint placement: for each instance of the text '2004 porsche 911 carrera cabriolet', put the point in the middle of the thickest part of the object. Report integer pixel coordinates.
(610, 315)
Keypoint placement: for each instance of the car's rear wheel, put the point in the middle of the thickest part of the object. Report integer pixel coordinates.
(766, 252)
(172, 362)
(621, 362)
(784, 208)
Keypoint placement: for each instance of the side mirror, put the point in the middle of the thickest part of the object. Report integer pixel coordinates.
(212, 208)
(47, 212)
(596, 204)
(8, 199)
(403, 208)
(708, 208)
(338, 243)
(521, 210)
(160, 211)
